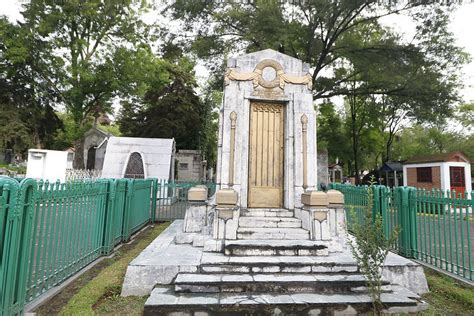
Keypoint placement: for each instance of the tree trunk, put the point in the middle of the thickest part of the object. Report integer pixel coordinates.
(36, 139)
(78, 162)
(355, 140)
(356, 166)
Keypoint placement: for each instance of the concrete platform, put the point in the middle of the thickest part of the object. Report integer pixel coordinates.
(160, 262)
(163, 259)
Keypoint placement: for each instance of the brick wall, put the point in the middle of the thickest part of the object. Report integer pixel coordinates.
(435, 176)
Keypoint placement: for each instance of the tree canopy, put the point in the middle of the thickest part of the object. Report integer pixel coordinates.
(84, 57)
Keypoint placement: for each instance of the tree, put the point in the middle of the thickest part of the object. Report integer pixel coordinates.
(330, 132)
(211, 101)
(83, 51)
(465, 115)
(386, 79)
(314, 31)
(387, 89)
(172, 110)
(27, 103)
(424, 140)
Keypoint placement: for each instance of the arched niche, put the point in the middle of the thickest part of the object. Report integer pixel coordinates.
(135, 167)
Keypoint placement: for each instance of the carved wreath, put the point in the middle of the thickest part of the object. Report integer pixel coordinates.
(257, 79)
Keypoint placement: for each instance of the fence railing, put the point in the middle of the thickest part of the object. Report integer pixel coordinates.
(172, 198)
(435, 227)
(49, 231)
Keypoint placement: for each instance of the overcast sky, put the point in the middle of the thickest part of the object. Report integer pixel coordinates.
(462, 26)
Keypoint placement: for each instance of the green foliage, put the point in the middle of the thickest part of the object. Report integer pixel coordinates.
(330, 132)
(172, 110)
(465, 115)
(370, 248)
(329, 36)
(211, 102)
(13, 130)
(387, 89)
(448, 296)
(425, 140)
(86, 53)
(112, 129)
(386, 81)
(28, 118)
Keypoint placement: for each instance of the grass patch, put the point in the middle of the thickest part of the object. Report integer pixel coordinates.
(112, 303)
(98, 290)
(447, 295)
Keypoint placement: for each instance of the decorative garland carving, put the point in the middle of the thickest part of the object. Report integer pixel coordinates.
(257, 79)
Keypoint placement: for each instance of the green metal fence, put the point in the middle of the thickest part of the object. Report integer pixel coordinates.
(435, 227)
(50, 231)
(171, 198)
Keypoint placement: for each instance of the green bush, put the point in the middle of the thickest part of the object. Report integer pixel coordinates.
(370, 249)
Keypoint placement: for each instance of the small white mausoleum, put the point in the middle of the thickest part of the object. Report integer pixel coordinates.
(134, 157)
(48, 165)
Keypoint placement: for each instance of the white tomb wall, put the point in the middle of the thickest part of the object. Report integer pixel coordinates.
(297, 101)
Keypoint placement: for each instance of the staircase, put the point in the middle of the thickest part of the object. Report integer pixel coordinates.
(270, 224)
(273, 268)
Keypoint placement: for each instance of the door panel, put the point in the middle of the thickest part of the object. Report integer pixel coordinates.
(457, 179)
(266, 155)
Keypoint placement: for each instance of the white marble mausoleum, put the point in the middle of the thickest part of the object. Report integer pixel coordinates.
(267, 242)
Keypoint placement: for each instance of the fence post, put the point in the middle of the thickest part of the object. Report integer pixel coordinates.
(8, 199)
(154, 196)
(407, 221)
(110, 211)
(127, 213)
(27, 196)
(412, 219)
(385, 194)
(17, 206)
(375, 202)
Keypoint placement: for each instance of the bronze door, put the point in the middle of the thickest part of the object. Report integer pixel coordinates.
(266, 155)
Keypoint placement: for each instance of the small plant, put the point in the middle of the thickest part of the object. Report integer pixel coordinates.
(370, 248)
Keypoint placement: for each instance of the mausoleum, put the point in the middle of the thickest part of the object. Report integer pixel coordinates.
(268, 242)
(268, 119)
(135, 157)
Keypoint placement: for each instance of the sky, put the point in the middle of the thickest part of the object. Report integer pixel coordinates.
(461, 25)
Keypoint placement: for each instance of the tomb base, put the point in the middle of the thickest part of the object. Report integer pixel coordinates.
(264, 277)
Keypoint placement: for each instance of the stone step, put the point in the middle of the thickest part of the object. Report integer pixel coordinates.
(164, 301)
(268, 212)
(272, 233)
(272, 247)
(269, 221)
(218, 263)
(269, 283)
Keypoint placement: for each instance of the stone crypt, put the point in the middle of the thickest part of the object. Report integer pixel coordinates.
(267, 242)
